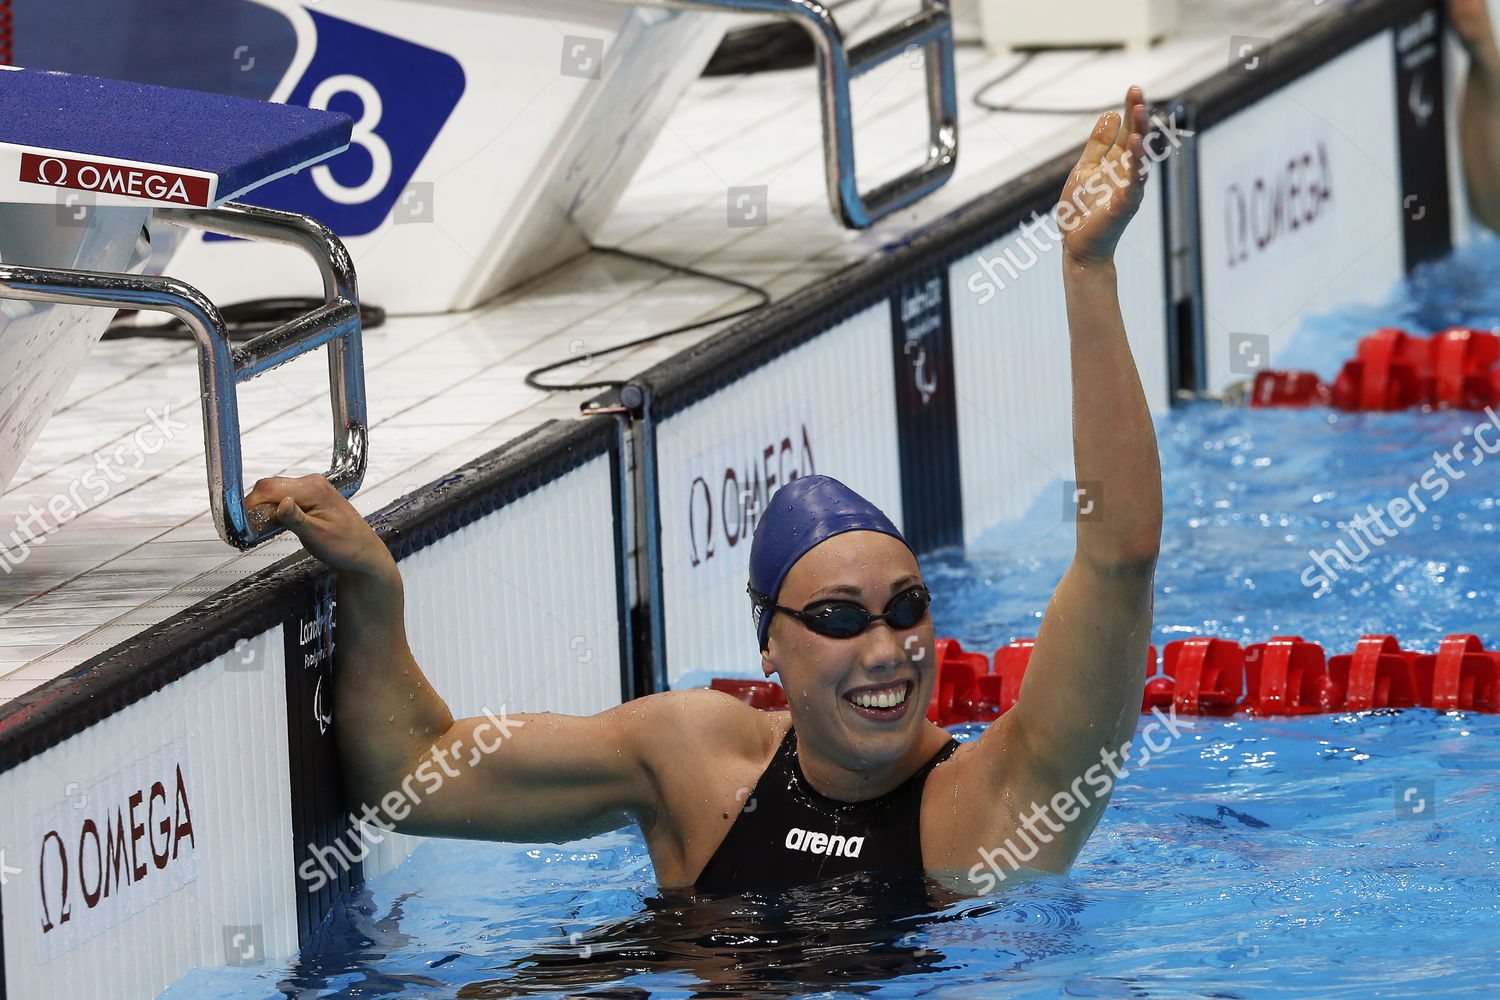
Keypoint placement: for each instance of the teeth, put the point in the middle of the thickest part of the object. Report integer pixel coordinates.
(884, 699)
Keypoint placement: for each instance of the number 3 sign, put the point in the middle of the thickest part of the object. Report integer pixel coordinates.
(400, 95)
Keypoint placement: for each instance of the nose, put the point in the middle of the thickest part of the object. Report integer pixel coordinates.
(884, 647)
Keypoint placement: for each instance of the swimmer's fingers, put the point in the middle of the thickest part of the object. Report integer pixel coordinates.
(269, 493)
(1106, 131)
(1130, 140)
(1117, 133)
(1140, 167)
(304, 505)
(322, 519)
(1122, 132)
(1108, 184)
(1132, 118)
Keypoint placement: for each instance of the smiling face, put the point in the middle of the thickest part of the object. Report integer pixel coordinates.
(861, 701)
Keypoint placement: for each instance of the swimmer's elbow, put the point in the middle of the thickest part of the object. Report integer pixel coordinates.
(1124, 563)
(1129, 548)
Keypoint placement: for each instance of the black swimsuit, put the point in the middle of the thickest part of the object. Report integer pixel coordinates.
(789, 834)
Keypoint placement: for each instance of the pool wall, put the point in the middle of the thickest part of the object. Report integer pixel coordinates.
(164, 796)
(1308, 199)
(219, 725)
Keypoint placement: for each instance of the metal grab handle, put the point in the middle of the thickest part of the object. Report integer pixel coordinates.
(221, 367)
(932, 31)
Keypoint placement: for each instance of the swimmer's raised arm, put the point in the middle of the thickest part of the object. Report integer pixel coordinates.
(1479, 112)
(517, 777)
(1080, 699)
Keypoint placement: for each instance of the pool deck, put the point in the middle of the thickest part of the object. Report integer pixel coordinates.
(445, 389)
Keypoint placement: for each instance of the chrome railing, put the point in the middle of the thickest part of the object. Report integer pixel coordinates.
(222, 366)
(931, 31)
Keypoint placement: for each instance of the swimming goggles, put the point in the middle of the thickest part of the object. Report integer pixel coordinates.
(845, 619)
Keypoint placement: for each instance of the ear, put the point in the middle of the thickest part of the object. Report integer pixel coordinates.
(767, 665)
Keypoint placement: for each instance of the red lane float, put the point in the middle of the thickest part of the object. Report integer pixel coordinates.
(1290, 389)
(1461, 675)
(1286, 675)
(757, 694)
(1203, 676)
(1378, 674)
(958, 673)
(1461, 368)
(1392, 370)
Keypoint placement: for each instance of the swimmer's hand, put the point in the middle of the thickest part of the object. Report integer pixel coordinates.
(327, 524)
(1471, 19)
(1105, 188)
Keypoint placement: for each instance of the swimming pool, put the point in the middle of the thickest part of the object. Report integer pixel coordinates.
(1338, 856)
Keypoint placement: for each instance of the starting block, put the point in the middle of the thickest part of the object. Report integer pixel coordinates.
(930, 31)
(141, 152)
(514, 129)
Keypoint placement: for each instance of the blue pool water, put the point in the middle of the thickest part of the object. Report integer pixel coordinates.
(1252, 859)
(1342, 856)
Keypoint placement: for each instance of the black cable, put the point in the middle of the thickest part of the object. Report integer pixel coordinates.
(242, 320)
(247, 320)
(1017, 109)
(765, 297)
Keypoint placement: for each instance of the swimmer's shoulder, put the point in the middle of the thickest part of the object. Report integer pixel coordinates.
(700, 724)
(704, 751)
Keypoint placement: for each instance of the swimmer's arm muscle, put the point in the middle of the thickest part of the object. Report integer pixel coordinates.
(533, 777)
(1479, 109)
(407, 764)
(1480, 142)
(499, 776)
(1080, 700)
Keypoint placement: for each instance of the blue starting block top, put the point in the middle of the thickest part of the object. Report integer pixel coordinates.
(238, 143)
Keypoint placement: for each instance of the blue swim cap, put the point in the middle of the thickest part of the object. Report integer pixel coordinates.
(806, 511)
